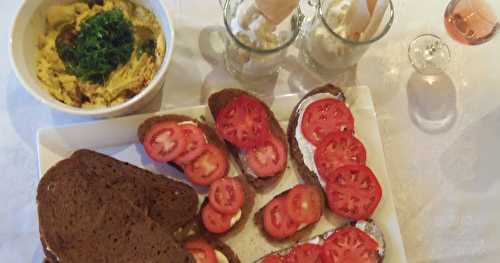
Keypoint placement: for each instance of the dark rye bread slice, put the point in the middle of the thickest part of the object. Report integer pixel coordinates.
(259, 221)
(216, 102)
(306, 174)
(218, 245)
(246, 211)
(369, 227)
(171, 203)
(93, 208)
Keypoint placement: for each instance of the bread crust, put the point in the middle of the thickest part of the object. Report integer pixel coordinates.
(216, 102)
(259, 221)
(306, 174)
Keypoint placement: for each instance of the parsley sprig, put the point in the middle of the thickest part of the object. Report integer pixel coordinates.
(104, 42)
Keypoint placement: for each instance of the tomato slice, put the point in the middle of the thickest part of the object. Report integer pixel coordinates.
(277, 222)
(214, 221)
(349, 244)
(195, 142)
(164, 141)
(353, 192)
(305, 253)
(243, 122)
(304, 204)
(325, 116)
(336, 150)
(274, 259)
(268, 159)
(211, 165)
(201, 250)
(226, 195)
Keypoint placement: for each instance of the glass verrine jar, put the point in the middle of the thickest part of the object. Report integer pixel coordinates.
(255, 47)
(342, 31)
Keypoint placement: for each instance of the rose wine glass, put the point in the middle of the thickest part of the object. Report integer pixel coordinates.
(470, 22)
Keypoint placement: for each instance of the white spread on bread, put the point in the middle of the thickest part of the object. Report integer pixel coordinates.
(188, 122)
(236, 218)
(244, 165)
(374, 232)
(221, 258)
(306, 148)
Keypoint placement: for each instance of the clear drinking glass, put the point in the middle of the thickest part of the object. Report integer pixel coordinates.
(255, 47)
(470, 22)
(333, 39)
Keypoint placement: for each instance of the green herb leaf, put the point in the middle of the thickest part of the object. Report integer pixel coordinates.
(104, 42)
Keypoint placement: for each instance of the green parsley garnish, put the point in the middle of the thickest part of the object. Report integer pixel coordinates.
(104, 42)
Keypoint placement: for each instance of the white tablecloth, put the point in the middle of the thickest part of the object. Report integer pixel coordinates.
(441, 141)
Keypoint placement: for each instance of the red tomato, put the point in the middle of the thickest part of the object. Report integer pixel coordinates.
(350, 244)
(274, 259)
(304, 204)
(277, 222)
(201, 250)
(243, 122)
(226, 195)
(214, 221)
(305, 253)
(325, 116)
(353, 192)
(269, 158)
(164, 141)
(336, 150)
(195, 142)
(211, 165)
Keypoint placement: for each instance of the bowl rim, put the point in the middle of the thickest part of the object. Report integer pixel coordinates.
(97, 111)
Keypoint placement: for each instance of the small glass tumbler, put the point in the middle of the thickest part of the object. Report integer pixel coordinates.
(256, 47)
(341, 32)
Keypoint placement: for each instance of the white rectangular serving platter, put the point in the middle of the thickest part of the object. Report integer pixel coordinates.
(117, 138)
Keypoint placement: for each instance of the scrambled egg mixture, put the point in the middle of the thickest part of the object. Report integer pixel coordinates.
(124, 82)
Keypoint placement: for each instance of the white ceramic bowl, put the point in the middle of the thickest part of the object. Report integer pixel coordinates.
(30, 21)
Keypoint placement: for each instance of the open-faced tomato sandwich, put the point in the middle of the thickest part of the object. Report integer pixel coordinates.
(197, 150)
(327, 154)
(253, 135)
(291, 213)
(207, 249)
(358, 241)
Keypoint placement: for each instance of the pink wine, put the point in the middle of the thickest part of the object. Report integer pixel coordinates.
(470, 22)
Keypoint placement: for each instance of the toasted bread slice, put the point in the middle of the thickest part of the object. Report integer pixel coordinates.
(297, 156)
(259, 221)
(92, 208)
(216, 103)
(369, 227)
(218, 245)
(246, 211)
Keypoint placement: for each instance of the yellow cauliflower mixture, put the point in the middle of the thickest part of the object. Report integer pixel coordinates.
(64, 77)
